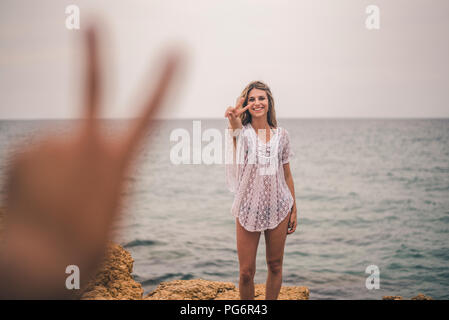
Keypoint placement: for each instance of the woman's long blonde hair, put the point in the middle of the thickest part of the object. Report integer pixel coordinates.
(271, 114)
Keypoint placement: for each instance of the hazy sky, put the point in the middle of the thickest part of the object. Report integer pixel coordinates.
(317, 56)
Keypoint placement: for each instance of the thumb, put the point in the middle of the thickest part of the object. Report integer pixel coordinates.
(232, 114)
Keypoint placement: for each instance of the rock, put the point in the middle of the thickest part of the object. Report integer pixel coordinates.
(199, 289)
(421, 296)
(114, 280)
(418, 297)
(392, 298)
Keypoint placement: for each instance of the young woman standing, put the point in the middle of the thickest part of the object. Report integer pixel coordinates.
(259, 175)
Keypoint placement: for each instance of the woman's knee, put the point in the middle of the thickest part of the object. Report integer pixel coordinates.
(275, 266)
(247, 274)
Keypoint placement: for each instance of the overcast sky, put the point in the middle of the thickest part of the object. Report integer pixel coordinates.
(318, 57)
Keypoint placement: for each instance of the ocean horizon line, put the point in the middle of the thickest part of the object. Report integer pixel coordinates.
(222, 118)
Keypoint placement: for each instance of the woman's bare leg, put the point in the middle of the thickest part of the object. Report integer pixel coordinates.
(275, 243)
(247, 243)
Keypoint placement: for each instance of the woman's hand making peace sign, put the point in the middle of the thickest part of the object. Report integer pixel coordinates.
(63, 194)
(233, 113)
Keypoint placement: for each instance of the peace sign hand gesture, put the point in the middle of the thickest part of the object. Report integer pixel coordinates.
(233, 113)
(63, 194)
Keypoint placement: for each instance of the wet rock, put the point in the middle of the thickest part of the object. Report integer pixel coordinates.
(114, 280)
(392, 298)
(199, 289)
(421, 296)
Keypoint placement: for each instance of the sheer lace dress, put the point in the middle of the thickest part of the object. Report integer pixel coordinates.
(254, 172)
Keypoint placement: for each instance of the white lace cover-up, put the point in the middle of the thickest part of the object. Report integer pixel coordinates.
(255, 173)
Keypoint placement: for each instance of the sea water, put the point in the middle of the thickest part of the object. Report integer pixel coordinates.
(368, 192)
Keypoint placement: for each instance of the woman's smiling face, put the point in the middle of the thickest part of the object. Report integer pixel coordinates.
(259, 103)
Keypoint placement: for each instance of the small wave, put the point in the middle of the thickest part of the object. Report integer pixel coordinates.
(307, 221)
(352, 208)
(216, 263)
(320, 197)
(439, 169)
(445, 188)
(405, 252)
(440, 253)
(219, 275)
(444, 219)
(138, 243)
(298, 253)
(395, 266)
(167, 276)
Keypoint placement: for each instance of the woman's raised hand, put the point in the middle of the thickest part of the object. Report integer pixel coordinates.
(233, 113)
(63, 194)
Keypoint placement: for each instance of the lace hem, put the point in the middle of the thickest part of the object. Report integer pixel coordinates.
(271, 226)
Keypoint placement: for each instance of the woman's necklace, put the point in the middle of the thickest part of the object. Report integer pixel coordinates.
(263, 149)
(267, 155)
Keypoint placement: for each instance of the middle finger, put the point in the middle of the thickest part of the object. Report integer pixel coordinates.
(239, 102)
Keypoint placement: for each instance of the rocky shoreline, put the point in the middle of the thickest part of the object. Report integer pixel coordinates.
(114, 281)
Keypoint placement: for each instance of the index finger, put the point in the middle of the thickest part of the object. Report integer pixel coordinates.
(243, 110)
(140, 126)
(92, 85)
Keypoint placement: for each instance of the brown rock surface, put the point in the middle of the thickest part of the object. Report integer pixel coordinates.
(392, 298)
(114, 280)
(199, 289)
(421, 296)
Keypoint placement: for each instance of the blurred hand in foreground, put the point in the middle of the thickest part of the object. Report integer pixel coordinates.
(64, 193)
